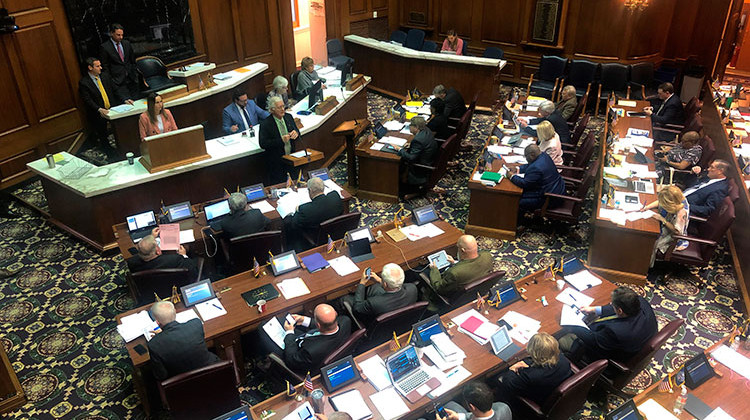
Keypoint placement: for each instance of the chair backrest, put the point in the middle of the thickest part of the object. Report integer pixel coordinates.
(571, 394)
(469, 292)
(693, 123)
(463, 125)
(642, 73)
(293, 78)
(441, 161)
(187, 394)
(640, 360)
(692, 106)
(717, 222)
(580, 128)
(414, 39)
(243, 249)
(429, 46)
(150, 66)
(474, 100)
(551, 67)
(584, 153)
(400, 320)
(347, 348)
(581, 73)
(398, 36)
(261, 100)
(159, 281)
(334, 48)
(464, 46)
(337, 227)
(614, 76)
(733, 191)
(707, 155)
(580, 107)
(493, 52)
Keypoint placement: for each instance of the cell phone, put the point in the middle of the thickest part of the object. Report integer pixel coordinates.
(440, 410)
(368, 272)
(140, 349)
(502, 323)
(289, 318)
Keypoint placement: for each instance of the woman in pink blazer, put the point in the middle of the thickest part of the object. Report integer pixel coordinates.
(156, 119)
(453, 43)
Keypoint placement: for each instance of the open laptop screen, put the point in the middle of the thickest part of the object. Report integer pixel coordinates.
(216, 210)
(403, 363)
(140, 221)
(254, 192)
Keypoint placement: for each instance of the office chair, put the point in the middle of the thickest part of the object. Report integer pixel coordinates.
(398, 36)
(568, 208)
(381, 329)
(143, 284)
(467, 292)
(429, 46)
(493, 52)
(613, 78)
(335, 226)
(642, 83)
(438, 168)
(414, 39)
(293, 78)
(545, 81)
(336, 57)
(203, 393)
(581, 74)
(241, 250)
(154, 74)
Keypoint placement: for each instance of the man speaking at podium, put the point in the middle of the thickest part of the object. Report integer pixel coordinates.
(278, 136)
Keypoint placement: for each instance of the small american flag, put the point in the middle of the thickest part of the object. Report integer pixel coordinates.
(329, 245)
(480, 301)
(299, 178)
(288, 180)
(308, 382)
(666, 384)
(256, 267)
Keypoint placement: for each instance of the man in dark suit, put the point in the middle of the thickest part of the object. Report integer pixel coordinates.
(177, 348)
(305, 351)
(118, 61)
(241, 114)
(421, 150)
(388, 294)
(455, 107)
(309, 216)
(670, 110)
(478, 398)
(241, 220)
(621, 331)
(99, 94)
(438, 122)
(150, 257)
(547, 112)
(278, 136)
(540, 176)
(706, 194)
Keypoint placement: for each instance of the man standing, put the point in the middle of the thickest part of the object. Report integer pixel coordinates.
(455, 107)
(670, 111)
(277, 136)
(471, 265)
(118, 60)
(540, 176)
(242, 114)
(710, 190)
(388, 294)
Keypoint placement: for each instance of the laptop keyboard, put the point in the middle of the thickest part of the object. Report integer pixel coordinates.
(414, 381)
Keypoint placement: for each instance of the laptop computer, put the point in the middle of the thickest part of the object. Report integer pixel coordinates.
(379, 130)
(321, 173)
(254, 192)
(440, 259)
(179, 211)
(627, 411)
(359, 250)
(425, 329)
(140, 225)
(242, 413)
(408, 377)
(502, 345)
(215, 212)
(197, 292)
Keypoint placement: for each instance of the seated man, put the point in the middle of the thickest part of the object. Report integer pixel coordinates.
(455, 107)
(307, 77)
(478, 397)
(540, 176)
(670, 111)
(622, 329)
(309, 216)
(305, 351)
(706, 194)
(438, 122)
(547, 112)
(568, 102)
(388, 294)
(241, 220)
(471, 265)
(421, 150)
(241, 114)
(150, 257)
(177, 348)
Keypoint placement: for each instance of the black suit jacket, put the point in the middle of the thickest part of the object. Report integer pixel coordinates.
(439, 125)
(540, 176)
(557, 121)
(455, 107)
(421, 150)
(309, 216)
(374, 300)
(244, 223)
(270, 140)
(304, 354)
(92, 98)
(121, 72)
(170, 260)
(671, 113)
(179, 348)
(535, 382)
(704, 201)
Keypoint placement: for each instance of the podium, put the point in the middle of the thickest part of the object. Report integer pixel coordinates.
(196, 76)
(173, 149)
(351, 130)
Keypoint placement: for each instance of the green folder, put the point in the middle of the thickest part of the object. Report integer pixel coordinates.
(491, 176)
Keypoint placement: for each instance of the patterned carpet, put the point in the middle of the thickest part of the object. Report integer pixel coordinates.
(57, 310)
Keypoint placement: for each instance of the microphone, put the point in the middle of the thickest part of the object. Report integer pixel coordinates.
(379, 236)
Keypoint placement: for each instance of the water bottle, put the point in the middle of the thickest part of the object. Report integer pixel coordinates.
(679, 403)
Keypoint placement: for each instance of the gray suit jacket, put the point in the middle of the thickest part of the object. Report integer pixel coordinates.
(374, 300)
(502, 411)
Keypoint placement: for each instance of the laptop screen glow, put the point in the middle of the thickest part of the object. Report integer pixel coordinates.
(403, 364)
(141, 220)
(217, 209)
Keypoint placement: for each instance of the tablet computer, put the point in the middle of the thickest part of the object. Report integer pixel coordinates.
(197, 292)
(242, 413)
(502, 345)
(254, 192)
(503, 294)
(425, 214)
(627, 411)
(179, 211)
(440, 259)
(697, 370)
(321, 173)
(339, 373)
(284, 263)
(359, 233)
(425, 329)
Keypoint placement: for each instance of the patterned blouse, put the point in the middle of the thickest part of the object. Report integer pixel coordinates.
(679, 154)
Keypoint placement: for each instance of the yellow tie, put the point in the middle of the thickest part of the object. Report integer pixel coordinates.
(103, 92)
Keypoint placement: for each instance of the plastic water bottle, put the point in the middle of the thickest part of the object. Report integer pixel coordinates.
(679, 403)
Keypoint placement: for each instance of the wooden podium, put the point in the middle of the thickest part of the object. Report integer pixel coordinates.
(351, 130)
(11, 392)
(196, 76)
(173, 149)
(312, 156)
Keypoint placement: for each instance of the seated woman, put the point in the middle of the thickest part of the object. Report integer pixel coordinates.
(438, 121)
(281, 88)
(537, 376)
(453, 43)
(549, 142)
(683, 156)
(156, 119)
(674, 214)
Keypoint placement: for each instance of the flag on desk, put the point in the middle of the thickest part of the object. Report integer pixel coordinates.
(329, 245)
(308, 382)
(299, 178)
(288, 180)
(256, 268)
(666, 384)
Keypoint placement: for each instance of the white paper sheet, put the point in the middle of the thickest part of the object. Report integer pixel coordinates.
(733, 360)
(389, 403)
(523, 326)
(352, 403)
(617, 217)
(571, 316)
(375, 371)
(187, 236)
(331, 185)
(450, 380)
(210, 309)
(393, 125)
(652, 410)
(293, 287)
(185, 316)
(440, 361)
(263, 205)
(413, 232)
(287, 204)
(343, 265)
(500, 150)
(431, 230)
(515, 159)
(133, 326)
(275, 331)
(397, 141)
(583, 280)
(718, 414)
(570, 296)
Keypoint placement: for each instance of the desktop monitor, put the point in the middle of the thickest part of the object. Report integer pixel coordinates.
(339, 373)
(314, 94)
(254, 192)
(216, 210)
(425, 329)
(284, 263)
(359, 233)
(179, 211)
(346, 72)
(197, 292)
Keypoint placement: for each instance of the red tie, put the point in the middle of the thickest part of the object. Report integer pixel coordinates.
(119, 52)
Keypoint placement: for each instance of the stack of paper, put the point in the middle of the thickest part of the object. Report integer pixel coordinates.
(572, 316)
(413, 232)
(733, 360)
(443, 352)
(389, 403)
(499, 150)
(275, 332)
(396, 141)
(572, 297)
(476, 326)
(652, 410)
(351, 403)
(582, 280)
(393, 125)
(210, 309)
(343, 265)
(185, 316)
(293, 287)
(133, 326)
(515, 159)
(263, 205)
(617, 217)
(375, 371)
(187, 236)
(523, 326)
(449, 381)
(331, 185)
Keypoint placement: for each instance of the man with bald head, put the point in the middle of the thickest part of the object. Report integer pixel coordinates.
(386, 294)
(150, 257)
(308, 216)
(539, 176)
(471, 265)
(177, 348)
(304, 350)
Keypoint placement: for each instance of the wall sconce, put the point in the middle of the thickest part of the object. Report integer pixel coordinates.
(633, 5)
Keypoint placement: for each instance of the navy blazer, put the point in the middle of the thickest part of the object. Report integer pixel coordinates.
(540, 176)
(310, 215)
(422, 150)
(535, 382)
(243, 223)
(231, 116)
(304, 353)
(269, 139)
(179, 348)
(557, 121)
(372, 301)
(671, 113)
(120, 71)
(704, 201)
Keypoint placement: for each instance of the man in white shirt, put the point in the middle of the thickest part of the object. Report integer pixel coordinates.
(705, 195)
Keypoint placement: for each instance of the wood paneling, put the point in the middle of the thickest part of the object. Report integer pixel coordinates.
(379, 4)
(456, 15)
(649, 32)
(357, 6)
(501, 22)
(417, 13)
(14, 117)
(216, 19)
(255, 27)
(600, 29)
(15, 6)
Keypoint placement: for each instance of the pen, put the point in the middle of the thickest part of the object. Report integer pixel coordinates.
(216, 306)
(572, 297)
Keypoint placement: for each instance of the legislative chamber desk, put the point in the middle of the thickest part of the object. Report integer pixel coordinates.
(623, 253)
(379, 172)
(395, 69)
(223, 333)
(86, 200)
(479, 360)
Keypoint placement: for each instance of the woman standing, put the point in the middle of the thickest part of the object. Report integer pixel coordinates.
(156, 119)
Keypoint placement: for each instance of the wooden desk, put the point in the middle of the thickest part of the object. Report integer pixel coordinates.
(479, 359)
(379, 172)
(623, 253)
(729, 392)
(224, 332)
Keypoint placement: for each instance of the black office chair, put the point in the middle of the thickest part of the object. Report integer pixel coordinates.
(414, 39)
(465, 46)
(581, 74)
(398, 36)
(241, 250)
(336, 57)
(154, 74)
(186, 395)
(545, 81)
(493, 52)
(145, 285)
(381, 329)
(642, 82)
(612, 79)
(467, 293)
(336, 227)
(429, 46)
(293, 78)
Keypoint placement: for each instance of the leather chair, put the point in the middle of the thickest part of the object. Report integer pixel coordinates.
(580, 127)
(668, 131)
(336, 57)
(578, 158)
(467, 293)
(613, 78)
(493, 52)
(398, 36)
(733, 191)
(693, 106)
(336, 227)
(414, 39)
(642, 83)
(569, 208)
(568, 397)
(464, 47)
(293, 86)
(429, 46)
(154, 74)
(381, 329)
(545, 81)
(241, 250)
(473, 103)
(580, 108)
(581, 74)
(438, 169)
(202, 393)
(261, 100)
(144, 284)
